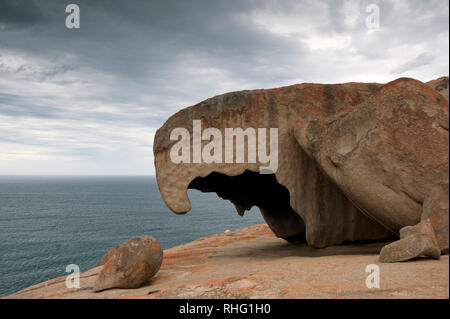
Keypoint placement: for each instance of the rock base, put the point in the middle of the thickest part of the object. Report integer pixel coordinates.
(252, 263)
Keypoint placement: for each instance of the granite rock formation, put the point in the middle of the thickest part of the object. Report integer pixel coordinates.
(130, 264)
(356, 161)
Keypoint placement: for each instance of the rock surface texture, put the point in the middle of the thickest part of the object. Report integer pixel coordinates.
(356, 161)
(252, 263)
(129, 265)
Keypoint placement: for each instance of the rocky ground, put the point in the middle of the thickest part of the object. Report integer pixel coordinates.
(252, 263)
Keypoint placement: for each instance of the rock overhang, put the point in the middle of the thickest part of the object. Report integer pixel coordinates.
(320, 128)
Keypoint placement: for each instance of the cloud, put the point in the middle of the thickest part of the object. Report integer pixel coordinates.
(422, 60)
(88, 100)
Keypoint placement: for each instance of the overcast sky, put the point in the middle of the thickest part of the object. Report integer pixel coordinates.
(89, 100)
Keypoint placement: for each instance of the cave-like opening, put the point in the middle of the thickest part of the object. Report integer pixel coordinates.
(262, 190)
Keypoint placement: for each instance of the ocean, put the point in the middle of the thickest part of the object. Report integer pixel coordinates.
(49, 222)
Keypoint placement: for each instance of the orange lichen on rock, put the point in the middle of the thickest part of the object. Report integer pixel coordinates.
(256, 264)
(130, 264)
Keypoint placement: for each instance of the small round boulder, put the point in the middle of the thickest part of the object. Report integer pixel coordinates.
(130, 264)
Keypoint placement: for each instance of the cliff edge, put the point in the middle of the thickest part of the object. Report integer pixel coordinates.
(252, 263)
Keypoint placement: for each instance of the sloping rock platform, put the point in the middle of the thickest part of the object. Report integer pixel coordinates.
(252, 263)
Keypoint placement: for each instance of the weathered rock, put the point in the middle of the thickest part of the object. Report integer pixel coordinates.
(435, 210)
(415, 241)
(356, 161)
(130, 264)
(107, 256)
(440, 85)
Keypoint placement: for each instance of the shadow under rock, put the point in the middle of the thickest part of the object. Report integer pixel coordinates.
(281, 249)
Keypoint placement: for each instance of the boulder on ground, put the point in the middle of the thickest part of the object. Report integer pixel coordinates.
(130, 264)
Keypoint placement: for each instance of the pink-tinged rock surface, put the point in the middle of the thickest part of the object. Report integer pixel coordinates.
(252, 263)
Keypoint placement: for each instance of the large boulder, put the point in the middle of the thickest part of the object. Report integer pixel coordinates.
(356, 161)
(129, 265)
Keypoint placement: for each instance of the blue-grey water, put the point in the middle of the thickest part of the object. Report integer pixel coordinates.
(47, 223)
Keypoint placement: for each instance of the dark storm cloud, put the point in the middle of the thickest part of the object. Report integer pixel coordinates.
(147, 40)
(112, 82)
(147, 45)
(16, 14)
(141, 39)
